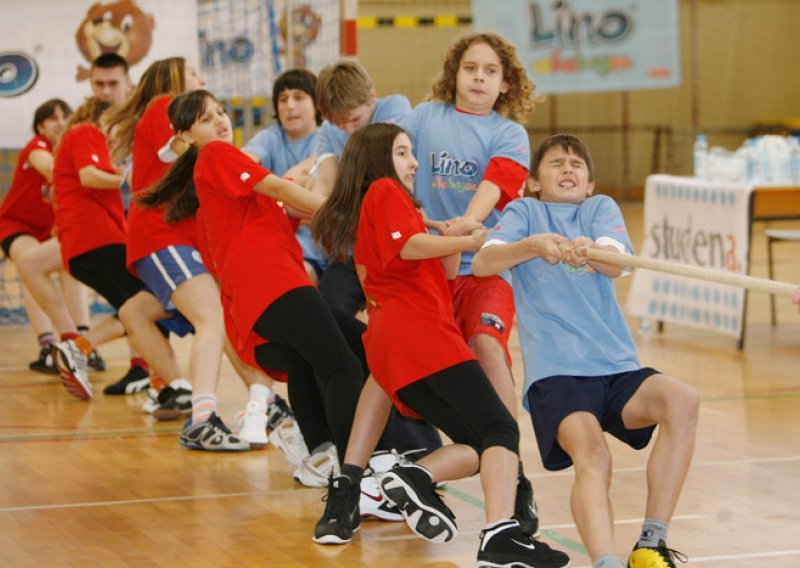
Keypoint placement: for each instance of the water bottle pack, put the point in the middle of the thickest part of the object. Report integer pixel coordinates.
(764, 160)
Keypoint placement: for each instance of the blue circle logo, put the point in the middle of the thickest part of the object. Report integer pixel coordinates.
(18, 73)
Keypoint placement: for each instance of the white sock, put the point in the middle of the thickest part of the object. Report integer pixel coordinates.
(259, 394)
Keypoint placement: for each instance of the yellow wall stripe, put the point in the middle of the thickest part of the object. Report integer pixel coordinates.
(441, 21)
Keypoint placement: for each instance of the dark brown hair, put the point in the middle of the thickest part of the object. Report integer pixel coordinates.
(301, 80)
(176, 189)
(367, 157)
(567, 142)
(47, 109)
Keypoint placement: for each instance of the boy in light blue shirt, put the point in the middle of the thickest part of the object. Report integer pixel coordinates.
(582, 373)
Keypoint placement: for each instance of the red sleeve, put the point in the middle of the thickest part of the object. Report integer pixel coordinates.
(159, 130)
(509, 176)
(394, 218)
(91, 149)
(230, 171)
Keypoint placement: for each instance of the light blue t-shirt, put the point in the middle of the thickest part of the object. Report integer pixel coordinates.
(569, 320)
(391, 109)
(278, 154)
(453, 149)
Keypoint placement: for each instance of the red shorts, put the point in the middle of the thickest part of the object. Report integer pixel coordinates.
(484, 305)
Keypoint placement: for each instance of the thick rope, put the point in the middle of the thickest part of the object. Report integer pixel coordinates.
(708, 274)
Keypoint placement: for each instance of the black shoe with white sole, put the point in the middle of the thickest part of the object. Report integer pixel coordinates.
(505, 546)
(412, 491)
(341, 517)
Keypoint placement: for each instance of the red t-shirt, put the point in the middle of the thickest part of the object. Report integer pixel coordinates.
(251, 243)
(411, 332)
(24, 209)
(86, 218)
(147, 229)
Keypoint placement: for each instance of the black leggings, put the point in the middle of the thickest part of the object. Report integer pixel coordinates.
(462, 403)
(305, 340)
(103, 269)
(340, 287)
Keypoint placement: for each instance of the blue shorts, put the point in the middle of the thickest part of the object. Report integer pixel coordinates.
(162, 272)
(554, 398)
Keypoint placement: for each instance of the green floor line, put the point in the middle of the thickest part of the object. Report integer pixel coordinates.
(554, 536)
(464, 497)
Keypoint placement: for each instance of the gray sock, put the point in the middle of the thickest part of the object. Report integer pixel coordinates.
(608, 561)
(653, 531)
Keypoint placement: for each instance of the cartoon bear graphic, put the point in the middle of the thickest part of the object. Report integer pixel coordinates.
(117, 27)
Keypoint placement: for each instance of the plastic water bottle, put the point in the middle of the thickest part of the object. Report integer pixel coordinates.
(645, 326)
(794, 160)
(700, 155)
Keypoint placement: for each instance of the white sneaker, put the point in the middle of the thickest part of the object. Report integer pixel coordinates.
(373, 504)
(384, 460)
(253, 426)
(287, 437)
(73, 368)
(151, 403)
(317, 468)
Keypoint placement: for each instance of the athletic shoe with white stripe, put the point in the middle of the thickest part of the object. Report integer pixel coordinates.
(504, 546)
(73, 369)
(135, 380)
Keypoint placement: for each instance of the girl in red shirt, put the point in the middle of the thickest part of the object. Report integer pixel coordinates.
(167, 258)
(417, 355)
(26, 227)
(90, 226)
(26, 234)
(274, 316)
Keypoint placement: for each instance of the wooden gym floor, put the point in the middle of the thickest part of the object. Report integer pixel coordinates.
(102, 484)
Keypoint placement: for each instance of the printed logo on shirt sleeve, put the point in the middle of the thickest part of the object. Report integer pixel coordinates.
(396, 235)
(41, 144)
(245, 176)
(95, 158)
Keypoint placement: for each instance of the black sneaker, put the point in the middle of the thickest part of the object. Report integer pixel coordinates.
(45, 363)
(135, 380)
(95, 361)
(646, 556)
(173, 404)
(341, 517)
(525, 510)
(277, 411)
(504, 545)
(410, 489)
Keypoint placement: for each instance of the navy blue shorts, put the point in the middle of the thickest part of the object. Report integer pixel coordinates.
(552, 399)
(162, 272)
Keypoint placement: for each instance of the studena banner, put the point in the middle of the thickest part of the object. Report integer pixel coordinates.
(698, 223)
(572, 46)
